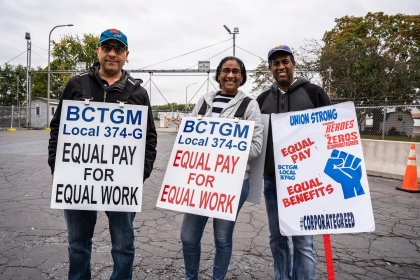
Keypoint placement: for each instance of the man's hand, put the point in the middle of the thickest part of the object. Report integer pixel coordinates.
(345, 169)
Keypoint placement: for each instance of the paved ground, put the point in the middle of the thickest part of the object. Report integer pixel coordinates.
(33, 236)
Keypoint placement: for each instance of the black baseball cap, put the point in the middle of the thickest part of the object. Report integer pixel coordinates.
(279, 48)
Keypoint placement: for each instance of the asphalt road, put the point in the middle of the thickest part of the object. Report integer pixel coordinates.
(34, 241)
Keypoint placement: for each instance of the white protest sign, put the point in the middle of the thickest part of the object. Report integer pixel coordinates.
(100, 157)
(207, 167)
(322, 185)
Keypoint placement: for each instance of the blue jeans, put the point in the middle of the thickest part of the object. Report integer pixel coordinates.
(80, 228)
(304, 262)
(191, 233)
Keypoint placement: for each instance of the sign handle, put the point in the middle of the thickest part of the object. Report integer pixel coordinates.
(328, 257)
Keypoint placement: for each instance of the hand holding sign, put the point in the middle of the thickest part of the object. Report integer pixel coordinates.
(345, 169)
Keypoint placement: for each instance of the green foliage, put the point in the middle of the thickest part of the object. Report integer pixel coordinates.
(66, 53)
(373, 58)
(391, 138)
(172, 107)
(70, 50)
(12, 85)
(39, 83)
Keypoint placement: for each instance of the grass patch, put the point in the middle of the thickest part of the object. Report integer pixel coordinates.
(391, 138)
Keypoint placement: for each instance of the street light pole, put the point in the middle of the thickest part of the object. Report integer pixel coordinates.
(17, 98)
(1, 92)
(48, 82)
(235, 31)
(28, 79)
(186, 96)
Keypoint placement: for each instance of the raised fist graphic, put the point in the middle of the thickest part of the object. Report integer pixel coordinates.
(345, 169)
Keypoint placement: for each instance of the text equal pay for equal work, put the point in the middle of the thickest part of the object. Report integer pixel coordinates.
(100, 171)
(193, 160)
(204, 177)
(97, 154)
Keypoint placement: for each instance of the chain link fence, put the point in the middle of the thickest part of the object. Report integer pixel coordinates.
(12, 116)
(391, 122)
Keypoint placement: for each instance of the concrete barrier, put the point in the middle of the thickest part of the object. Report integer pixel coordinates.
(388, 158)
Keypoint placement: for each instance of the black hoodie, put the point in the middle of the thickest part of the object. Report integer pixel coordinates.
(110, 94)
(301, 95)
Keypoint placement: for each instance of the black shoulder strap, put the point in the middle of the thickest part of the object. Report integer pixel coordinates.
(242, 108)
(130, 84)
(311, 95)
(86, 88)
(203, 108)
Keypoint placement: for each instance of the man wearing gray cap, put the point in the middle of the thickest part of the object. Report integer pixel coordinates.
(106, 81)
(287, 94)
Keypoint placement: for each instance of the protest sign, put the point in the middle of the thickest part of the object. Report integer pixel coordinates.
(207, 167)
(321, 176)
(100, 157)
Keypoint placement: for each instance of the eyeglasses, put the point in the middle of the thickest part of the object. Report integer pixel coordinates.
(235, 71)
(119, 49)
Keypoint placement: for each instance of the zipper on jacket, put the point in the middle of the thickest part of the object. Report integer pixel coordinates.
(282, 102)
(104, 95)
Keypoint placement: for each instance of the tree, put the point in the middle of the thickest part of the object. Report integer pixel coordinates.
(169, 107)
(70, 50)
(373, 58)
(66, 53)
(12, 85)
(39, 83)
(262, 77)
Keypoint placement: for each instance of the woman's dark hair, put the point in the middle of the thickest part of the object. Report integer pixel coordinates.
(241, 65)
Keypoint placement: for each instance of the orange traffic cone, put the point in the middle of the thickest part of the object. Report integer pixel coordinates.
(410, 182)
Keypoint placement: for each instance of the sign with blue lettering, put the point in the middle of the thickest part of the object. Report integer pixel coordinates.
(321, 178)
(100, 157)
(207, 167)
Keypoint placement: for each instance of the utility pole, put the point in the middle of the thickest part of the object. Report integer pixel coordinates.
(150, 87)
(28, 79)
(186, 97)
(235, 31)
(17, 98)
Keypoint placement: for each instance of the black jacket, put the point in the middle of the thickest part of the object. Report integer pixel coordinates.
(110, 94)
(301, 95)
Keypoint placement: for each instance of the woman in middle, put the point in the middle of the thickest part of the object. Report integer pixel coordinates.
(230, 74)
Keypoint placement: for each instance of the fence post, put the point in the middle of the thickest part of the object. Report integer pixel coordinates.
(11, 119)
(384, 122)
(11, 129)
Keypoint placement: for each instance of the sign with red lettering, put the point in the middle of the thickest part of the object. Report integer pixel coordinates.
(207, 167)
(321, 178)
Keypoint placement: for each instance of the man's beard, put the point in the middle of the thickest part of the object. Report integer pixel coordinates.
(284, 82)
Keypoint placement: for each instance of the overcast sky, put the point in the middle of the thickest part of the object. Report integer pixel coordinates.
(162, 29)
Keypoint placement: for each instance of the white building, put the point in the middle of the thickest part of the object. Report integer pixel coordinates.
(39, 111)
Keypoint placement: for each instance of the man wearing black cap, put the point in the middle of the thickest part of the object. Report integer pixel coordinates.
(285, 95)
(106, 81)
